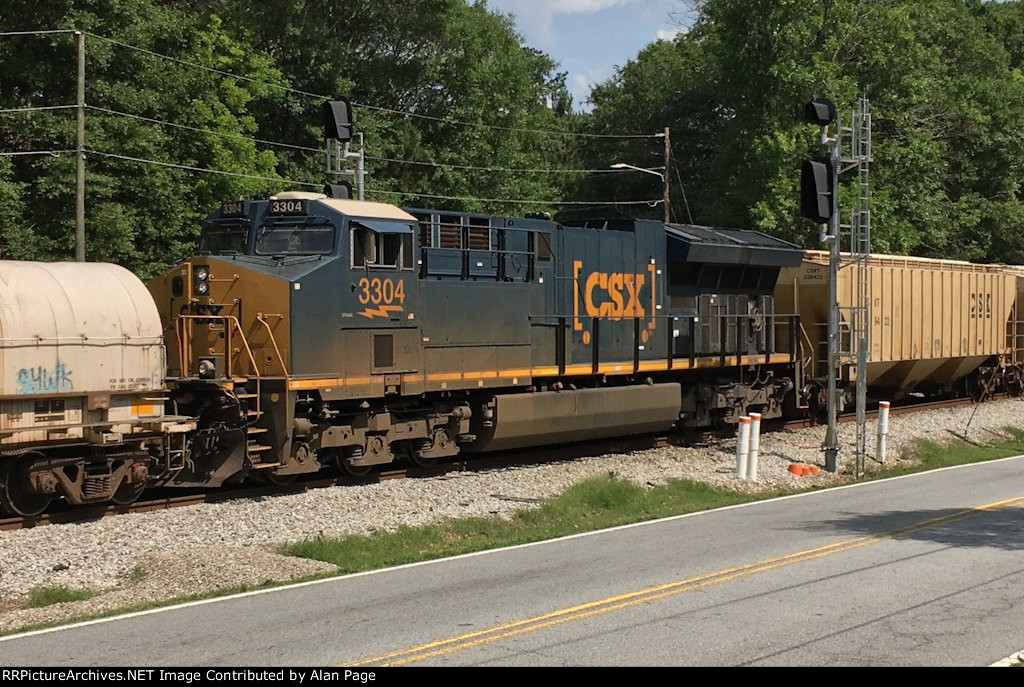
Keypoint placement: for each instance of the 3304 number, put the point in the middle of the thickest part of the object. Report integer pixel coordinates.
(381, 291)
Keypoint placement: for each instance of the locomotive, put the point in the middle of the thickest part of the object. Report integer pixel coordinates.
(311, 332)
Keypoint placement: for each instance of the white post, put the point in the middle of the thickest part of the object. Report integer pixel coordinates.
(883, 430)
(755, 446)
(742, 446)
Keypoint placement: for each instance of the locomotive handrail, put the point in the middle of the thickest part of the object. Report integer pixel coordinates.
(738, 321)
(273, 340)
(228, 319)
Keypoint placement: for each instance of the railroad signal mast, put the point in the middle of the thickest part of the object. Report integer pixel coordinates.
(847, 325)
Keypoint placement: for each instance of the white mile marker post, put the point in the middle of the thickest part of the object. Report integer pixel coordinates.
(883, 430)
(755, 446)
(742, 446)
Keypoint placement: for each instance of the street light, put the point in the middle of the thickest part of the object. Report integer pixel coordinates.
(663, 177)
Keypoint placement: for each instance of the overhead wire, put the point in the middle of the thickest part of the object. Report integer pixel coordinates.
(225, 134)
(18, 153)
(36, 33)
(207, 170)
(41, 108)
(412, 194)
(652, 203)
(495, 169)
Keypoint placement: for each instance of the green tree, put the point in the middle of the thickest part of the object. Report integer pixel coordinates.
(946, 94)
(138, 214)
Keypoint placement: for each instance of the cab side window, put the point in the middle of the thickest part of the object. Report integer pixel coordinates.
(381, 250)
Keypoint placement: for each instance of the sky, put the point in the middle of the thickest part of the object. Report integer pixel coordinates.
(590, 38)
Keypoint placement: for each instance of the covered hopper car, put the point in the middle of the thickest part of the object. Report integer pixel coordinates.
(935, 326)
(81, 387)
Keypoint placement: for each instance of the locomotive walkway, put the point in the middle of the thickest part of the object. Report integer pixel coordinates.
(922, 570)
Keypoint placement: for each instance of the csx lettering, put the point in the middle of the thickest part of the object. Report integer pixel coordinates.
(614, 295)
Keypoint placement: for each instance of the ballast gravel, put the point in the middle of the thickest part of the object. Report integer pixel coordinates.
(148, 557)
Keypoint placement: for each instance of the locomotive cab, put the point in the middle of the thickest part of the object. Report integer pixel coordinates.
(284, 296)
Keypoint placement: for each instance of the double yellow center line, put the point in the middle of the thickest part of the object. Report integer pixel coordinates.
(616, 603)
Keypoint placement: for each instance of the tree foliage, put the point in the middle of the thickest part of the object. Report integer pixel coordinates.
(442, 59)
(947, 100)
(450, 99)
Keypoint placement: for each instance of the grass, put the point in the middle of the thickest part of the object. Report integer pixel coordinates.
(594, 503)
(47, 596)
(927, 454)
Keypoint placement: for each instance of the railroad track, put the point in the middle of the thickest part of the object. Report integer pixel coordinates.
(893, 410)
(504, 459)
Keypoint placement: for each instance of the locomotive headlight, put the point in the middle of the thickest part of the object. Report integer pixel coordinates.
(202, 275)
(207, 369)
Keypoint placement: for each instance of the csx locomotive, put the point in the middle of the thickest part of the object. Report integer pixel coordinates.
(310, 332)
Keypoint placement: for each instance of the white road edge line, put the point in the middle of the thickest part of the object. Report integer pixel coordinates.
(487, 552)
(1016, 657)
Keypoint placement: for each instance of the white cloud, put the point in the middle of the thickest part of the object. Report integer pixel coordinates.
(668, 34)
(583, 6)
(535, 18)
(583, 82)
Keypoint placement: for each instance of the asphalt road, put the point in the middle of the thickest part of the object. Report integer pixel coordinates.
(925, 570)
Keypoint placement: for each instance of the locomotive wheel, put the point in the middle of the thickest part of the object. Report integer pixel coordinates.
(15, 496)
(128, 493)
(264, 477)
(414, 457)
(279, 480)
(345, 467)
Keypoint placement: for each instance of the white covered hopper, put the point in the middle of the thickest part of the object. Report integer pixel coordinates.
(76, 328)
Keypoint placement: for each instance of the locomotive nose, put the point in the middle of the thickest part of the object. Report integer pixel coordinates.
(223, 320)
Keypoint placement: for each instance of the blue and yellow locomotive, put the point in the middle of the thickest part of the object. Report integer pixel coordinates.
(311, 331)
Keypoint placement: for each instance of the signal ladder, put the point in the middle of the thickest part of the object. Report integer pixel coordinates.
(855, 316)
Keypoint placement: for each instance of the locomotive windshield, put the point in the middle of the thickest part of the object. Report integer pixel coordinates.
(295, 239)
(224, 239)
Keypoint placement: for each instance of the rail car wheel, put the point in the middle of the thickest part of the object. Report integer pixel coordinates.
(128, 493)
(16, 497)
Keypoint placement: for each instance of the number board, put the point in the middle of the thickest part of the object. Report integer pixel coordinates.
(287, 207)
(232, 208)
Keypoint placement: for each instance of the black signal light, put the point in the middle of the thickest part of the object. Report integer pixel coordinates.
(342, 190)
(820, 111)
(817, 189)
(338, 120)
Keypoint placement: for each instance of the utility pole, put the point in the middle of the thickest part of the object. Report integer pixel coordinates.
(80, 153)
(665, 176)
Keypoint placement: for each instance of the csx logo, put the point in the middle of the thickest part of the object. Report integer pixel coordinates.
(613, 295)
